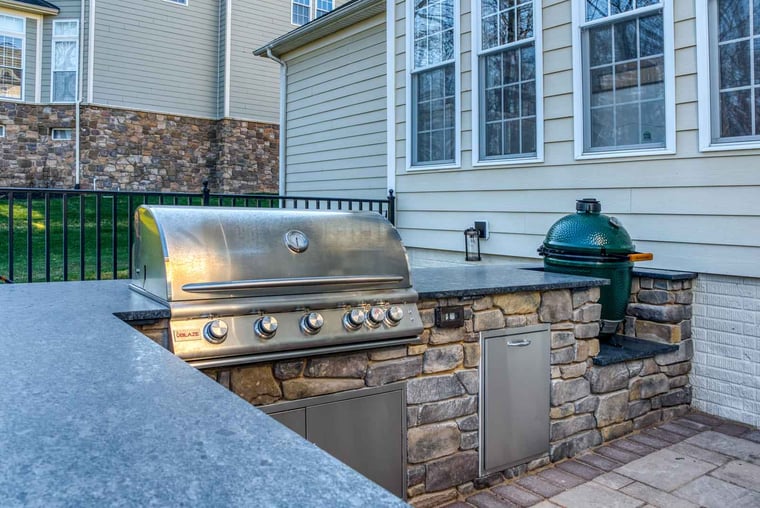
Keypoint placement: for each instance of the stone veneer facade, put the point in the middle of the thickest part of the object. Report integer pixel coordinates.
(590, 404)
(136, 150)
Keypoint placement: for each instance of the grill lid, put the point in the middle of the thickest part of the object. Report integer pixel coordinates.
(201, 253)
(588, 232)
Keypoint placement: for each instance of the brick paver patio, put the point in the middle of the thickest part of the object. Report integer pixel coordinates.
(694, 461)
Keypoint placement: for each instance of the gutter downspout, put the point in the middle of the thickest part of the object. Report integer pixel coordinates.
(227, 57)
(283, 119)
(78, 104)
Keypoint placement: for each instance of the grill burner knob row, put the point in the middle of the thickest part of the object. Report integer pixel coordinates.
(215, 331)
(312, 322)
(354, 319)
(395, 314)
(265, 327)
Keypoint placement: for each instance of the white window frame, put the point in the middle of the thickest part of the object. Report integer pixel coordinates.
(178, 2)
(62, 134)
(61, 38)
(476, 98)
(410, 135)
(308, 4)
(704, 90)
(579, 86)
(22, 36)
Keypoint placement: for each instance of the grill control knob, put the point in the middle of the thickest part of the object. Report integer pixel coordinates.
(265, 327)
(354, 319)
(395, 314)
(312, 322)
(375, 316)
(215, 331)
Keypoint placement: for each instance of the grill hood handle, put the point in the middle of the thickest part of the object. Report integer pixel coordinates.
(232, 285)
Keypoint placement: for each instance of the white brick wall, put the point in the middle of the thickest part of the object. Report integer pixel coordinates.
(726, 331)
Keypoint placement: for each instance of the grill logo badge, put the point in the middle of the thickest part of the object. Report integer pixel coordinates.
(186, 335)
(296, 241)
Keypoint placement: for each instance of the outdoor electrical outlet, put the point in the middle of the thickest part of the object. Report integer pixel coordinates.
(482, 227)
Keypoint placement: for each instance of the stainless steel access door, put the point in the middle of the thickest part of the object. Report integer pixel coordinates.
(514, 396)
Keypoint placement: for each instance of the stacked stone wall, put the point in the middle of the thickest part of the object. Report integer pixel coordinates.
(660, 309)
(136, 150)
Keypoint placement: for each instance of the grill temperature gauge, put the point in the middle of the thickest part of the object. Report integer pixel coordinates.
(215, 331)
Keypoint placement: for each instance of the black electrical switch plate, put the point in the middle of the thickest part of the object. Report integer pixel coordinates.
(449, 317)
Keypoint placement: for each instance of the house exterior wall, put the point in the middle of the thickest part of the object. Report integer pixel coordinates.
(70, 10)
(692, 209)
(158, 56)
(336, 116)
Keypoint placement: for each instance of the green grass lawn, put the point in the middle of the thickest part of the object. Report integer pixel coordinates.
(78, 216)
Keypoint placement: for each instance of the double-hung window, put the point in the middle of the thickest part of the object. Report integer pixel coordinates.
(433, 83)
(507, 86)
(626, 75)
(729, 38)
(65, 60)
(12, 30)
(323, 7)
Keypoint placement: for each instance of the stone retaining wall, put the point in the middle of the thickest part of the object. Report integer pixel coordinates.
(136, 150)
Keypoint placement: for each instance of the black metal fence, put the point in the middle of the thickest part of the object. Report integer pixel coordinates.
(60, 234)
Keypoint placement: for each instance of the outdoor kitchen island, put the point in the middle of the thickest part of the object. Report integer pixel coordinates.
(101, 414)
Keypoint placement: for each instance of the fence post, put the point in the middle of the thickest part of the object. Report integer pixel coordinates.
(391, 207)
(206, 192)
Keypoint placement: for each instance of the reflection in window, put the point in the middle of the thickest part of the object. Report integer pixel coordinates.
(624, 76)
(433, 83)
(323, 7)
(11, 56)
(60, 134)
(507, 79)
(65, 60)
(735, 69)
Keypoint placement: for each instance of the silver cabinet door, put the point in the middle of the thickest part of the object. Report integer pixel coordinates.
(515, 397)
(366, 433)
(295, 420)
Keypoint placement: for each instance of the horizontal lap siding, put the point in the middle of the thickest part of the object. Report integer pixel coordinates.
(336, 117)
(157, 55)
(694, 211)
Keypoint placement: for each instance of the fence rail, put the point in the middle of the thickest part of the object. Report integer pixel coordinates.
(61, 234)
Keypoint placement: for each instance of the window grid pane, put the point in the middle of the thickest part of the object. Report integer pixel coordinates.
(435, 115)
(323, 7)
(65, 61)
(738, 75)
(300, 13)
(433, 32)
(11, 66)
(625, 80)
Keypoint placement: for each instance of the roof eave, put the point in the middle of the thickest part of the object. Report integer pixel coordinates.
(356, 11)
(25, 7)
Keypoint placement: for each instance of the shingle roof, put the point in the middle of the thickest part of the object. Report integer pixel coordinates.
(40, 5)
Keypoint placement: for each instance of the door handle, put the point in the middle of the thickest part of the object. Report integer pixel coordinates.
(518, 343)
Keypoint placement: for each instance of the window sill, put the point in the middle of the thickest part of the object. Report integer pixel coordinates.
(507, 162)
(413, 169)
(624, 154)
(724, 147)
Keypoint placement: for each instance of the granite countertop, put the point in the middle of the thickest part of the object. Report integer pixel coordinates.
(94, 413)
(479, 280)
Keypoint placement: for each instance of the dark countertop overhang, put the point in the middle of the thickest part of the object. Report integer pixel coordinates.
(472, 281)
(96, 414)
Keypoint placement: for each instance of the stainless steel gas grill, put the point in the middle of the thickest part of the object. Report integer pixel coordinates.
(247, 285)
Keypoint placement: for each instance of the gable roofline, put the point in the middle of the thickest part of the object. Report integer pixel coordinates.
(344, 16)
(34, 6)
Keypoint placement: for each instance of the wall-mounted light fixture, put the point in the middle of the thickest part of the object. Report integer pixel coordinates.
(471, 244)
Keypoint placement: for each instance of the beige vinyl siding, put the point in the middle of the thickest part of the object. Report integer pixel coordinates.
(255, 81)
(336, 114)
(70, 10)
(157, 55)
(694, 211)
